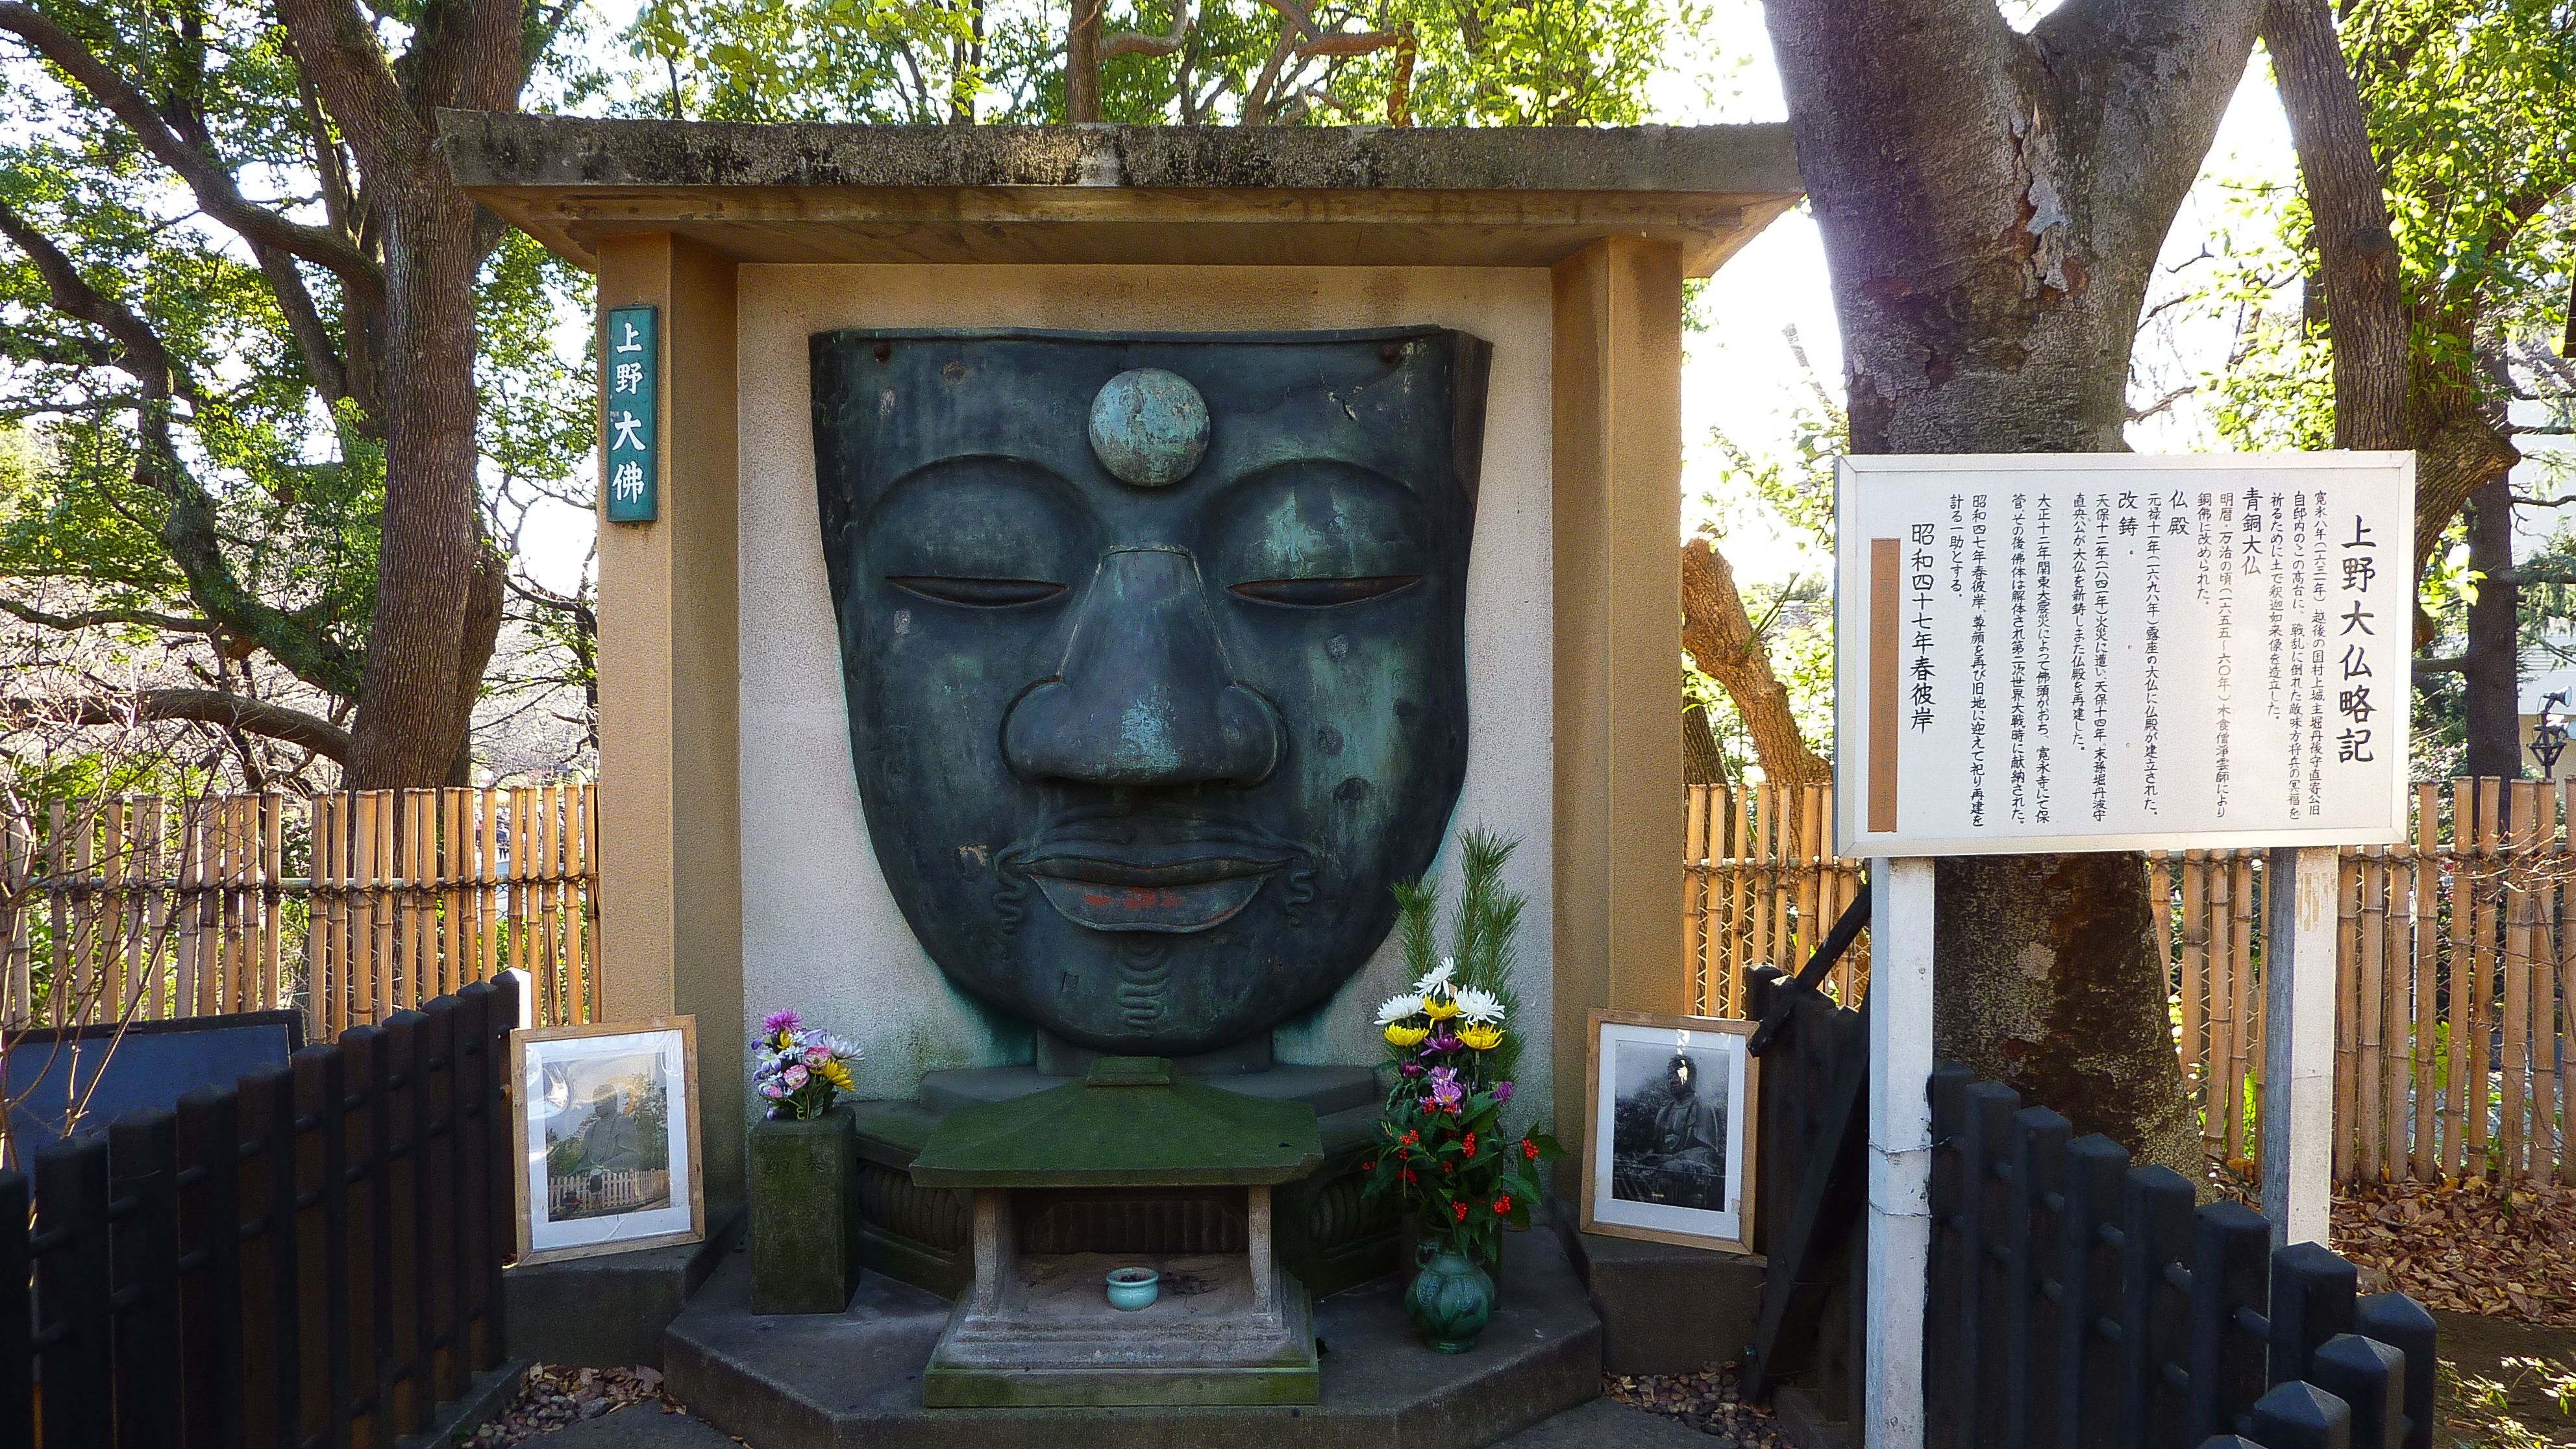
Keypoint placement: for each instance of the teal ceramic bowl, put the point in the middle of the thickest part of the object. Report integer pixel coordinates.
(1133, 1288)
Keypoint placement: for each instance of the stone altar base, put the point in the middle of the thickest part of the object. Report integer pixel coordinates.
(1204, 1340)
(841, 1381)
(1328, 1237)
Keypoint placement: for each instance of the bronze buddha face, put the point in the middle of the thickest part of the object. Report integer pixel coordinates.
(1155, 655)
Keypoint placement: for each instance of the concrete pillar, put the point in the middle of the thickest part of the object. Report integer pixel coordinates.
(1617, 452)
(670, 899)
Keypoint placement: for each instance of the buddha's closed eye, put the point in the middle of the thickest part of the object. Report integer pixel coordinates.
(1323, 593)
(979, 593)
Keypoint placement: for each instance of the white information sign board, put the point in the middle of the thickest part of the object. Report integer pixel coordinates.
(2038, 653)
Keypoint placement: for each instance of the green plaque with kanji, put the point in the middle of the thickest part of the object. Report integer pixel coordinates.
(631, 443)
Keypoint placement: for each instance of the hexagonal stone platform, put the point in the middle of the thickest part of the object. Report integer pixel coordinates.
(840, 1381)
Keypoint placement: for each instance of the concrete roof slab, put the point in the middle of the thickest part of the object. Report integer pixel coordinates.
(1187, 195)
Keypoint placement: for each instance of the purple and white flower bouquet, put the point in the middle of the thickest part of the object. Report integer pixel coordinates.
(798, 1069)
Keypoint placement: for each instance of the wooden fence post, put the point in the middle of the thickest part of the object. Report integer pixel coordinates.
(321, 1090)
(211, 1320)
(142, 1157)
(17, 1311)
(71, 1261)
(272, 1339)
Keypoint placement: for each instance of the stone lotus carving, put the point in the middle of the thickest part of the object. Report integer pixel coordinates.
(1155, 654)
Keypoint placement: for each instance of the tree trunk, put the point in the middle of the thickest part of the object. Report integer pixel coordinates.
(2358, 262)
(1082, 62)
(415, 703)
(1702, 762)
(1992, 205)
(1718, 635)
(2491, 668)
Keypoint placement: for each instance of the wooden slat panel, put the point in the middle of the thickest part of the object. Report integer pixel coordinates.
(1811, 862)
(2460, 898)
(17, 924)
(85, 943)
(2426, 893)
(2248, 1007)
(2216, 1094)
(366, 971)
(487, 907)
(2485, 941)
(2520, 925)
(1694, 905)
(1739, 935)
(2347, 1010)
(2195, 966)
(152, 855)
(2370, 1012)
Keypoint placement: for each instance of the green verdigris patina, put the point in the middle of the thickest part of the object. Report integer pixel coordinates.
(1155, 655)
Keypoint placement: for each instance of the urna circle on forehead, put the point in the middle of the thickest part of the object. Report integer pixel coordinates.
(1149, 427)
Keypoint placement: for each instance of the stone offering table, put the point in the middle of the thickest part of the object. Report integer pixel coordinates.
(1064, 1181)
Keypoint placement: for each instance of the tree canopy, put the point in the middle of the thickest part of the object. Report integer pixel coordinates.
(239, 307)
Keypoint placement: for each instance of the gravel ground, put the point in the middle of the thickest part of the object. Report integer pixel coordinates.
(1710, 1401)
(553, 1397)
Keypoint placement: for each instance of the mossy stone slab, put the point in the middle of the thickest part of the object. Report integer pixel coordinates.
(1131, 1122)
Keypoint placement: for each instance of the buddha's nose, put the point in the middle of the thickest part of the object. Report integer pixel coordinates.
(1145, 695)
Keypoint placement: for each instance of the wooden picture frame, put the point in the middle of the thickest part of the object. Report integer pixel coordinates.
(1629, 1200)
(607, 1209)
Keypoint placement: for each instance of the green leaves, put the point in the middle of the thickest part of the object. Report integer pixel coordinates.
(1486, 62)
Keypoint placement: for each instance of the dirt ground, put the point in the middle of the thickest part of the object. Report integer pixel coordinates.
(2505, 1384)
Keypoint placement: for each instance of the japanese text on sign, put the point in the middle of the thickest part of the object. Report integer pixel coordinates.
(2118, 652)
(629, 454)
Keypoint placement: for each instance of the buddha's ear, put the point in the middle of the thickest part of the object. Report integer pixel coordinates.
(1471, 365)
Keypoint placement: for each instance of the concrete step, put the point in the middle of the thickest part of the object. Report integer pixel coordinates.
(639, 1426)
(820, 1381)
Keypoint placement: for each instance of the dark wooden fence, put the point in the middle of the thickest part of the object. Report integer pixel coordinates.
(2077, 1300)
(1813, 1143)
(310, 1259)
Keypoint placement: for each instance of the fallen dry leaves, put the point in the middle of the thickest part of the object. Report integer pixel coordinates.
(2468, 1247)
(1710, 1401)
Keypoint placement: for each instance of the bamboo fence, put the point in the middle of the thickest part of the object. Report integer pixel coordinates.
(1760, 887)
(2456, 967)
(347, 907)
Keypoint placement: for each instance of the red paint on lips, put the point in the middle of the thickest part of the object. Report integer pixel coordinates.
(1132, 898)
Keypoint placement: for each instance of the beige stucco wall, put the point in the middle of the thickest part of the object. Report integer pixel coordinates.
(820, 931)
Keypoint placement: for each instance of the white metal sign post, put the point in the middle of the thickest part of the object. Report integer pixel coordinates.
(2047, 653)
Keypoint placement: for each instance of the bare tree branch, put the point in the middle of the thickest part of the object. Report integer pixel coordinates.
(94, 618)
(1720, 637)
(202, 706)
(1129, 42)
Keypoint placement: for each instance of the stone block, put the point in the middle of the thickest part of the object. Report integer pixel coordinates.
(804, 1214)
(609, 1311)
(1664, 1309)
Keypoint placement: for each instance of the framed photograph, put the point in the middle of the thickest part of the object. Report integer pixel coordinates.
(607, 1138)
(1672, 1102)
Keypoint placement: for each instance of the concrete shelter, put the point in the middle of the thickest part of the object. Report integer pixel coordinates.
(735, 873)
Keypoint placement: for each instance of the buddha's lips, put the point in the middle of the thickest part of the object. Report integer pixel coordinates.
(1150, 873)
(1171, 895)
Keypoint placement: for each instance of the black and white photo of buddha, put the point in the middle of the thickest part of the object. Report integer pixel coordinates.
(1668, 1141)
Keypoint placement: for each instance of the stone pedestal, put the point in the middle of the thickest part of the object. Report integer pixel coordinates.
(1325, 1234)
(1134, 1166)
(804, 1214)
(1227, 1328)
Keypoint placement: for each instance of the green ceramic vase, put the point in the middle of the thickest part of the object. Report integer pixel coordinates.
(1449, 1300)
